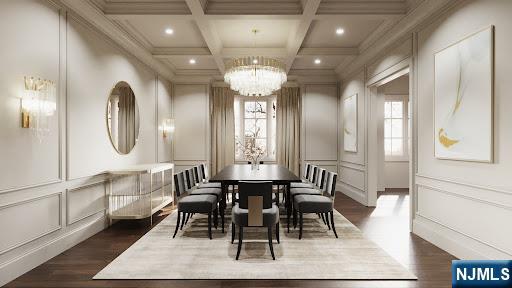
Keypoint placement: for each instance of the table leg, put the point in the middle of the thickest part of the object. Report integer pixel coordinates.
(288, 205)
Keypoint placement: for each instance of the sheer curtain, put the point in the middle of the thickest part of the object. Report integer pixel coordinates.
(223, 128)
(288, 128)
(127, 119)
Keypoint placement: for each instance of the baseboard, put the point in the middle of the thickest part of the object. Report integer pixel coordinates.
(455, 243)
(352, 192)
(20, 265)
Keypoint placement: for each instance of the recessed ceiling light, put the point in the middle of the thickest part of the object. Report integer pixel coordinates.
(192, 61)
(318, 61)
(340, 31)
(169, 31)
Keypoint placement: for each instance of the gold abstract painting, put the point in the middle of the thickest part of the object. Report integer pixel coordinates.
(350, 123)
(463, 99)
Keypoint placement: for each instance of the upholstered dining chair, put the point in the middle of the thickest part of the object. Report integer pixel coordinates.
(201, 174)
(319, 204)
(191, 204)
(255, 209)
(309, 182)
(193, 188)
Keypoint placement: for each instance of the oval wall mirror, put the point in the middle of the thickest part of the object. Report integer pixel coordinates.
(123, 118)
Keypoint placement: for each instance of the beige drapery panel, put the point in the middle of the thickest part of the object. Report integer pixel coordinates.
(223, 128)
(288, 128)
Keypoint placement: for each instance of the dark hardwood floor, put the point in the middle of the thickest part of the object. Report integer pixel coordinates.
(387, 225)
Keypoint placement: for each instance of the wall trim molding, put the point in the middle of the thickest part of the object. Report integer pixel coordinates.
(353, 168)
(452, 181)
(17, 203)
(68, 191)
(30, 259)
(421, 227)
(352, 192)
(10, 190)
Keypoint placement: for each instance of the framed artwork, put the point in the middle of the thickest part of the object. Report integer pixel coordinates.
(350, 123)
(463, 99)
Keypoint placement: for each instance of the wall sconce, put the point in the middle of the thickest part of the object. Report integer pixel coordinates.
(167, 127)
(39, 101)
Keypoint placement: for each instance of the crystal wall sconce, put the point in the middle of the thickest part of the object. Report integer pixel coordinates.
(38, 102)
(167, 127)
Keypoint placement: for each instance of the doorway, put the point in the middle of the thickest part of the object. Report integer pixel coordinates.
(390, 137)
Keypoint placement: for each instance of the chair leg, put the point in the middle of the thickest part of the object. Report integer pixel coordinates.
(210, 225)
(183, 220)
(222, 216)
(240, 237)
(177, 224)
(216, 217)
(323, 218)
(294, 218)
(277, 233)
(232, 232)
(188, 217)
(301, 222)
(332, 222)
(270, 242)
(327, 220)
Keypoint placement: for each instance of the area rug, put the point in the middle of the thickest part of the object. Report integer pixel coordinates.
(192, 255)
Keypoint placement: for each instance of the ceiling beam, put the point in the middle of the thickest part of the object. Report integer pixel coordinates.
(328, 51)
(144, 8)
(245, 7)
(295, 39)
(211, 37)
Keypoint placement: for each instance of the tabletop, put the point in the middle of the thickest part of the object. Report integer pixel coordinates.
(265, 172)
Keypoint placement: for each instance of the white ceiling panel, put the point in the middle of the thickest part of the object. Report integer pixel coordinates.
(326, 61)
(322, 33)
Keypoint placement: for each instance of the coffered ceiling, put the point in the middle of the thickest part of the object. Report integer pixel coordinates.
(197, 37)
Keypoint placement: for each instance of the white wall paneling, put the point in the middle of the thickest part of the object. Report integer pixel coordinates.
(85, 201)
(19, 227)
(23, 26)
(37, 222)
(192, 119)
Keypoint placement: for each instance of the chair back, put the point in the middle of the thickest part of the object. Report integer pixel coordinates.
(190, 179)
(197, 175)
(204, 169)
(312, 173)
(330, 184)
(305, 173)
(179, 183)
(255, 196)
(320, 175)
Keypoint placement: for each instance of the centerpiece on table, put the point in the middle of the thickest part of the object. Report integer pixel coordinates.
(253, 154)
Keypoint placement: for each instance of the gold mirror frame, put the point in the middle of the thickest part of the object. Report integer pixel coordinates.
(109, 120)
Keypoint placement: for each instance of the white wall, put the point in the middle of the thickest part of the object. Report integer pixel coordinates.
(192, 135)
(53, 192)
(463, 207)
(319, 137)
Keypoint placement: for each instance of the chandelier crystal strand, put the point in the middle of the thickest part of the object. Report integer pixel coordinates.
(255, 76)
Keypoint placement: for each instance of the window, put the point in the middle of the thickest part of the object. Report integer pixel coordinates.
(396, 122)
(255, 125)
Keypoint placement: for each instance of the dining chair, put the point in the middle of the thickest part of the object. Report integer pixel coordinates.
(312, 173)
(319, 204)
(255, 209)
(201, 172)
(194, 189)
(191, 204)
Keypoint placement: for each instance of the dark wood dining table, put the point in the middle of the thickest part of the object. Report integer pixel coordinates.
(279, 175)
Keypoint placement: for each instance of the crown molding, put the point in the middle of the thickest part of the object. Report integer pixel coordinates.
(95, 17)
(144, 8)
(165, 52)
(425, 11)
(245, 52)
(328, 51)
(240, 7)
(363, 7)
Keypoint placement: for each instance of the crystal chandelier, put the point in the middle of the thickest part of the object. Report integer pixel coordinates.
(255, 76)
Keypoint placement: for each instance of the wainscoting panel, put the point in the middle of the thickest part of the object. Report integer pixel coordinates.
(320, 114)
(18, 220)
(191, 114)
(85, 201)
(353, 177)
(484, 221)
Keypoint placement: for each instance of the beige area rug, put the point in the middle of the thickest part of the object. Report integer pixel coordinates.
(191, 255)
